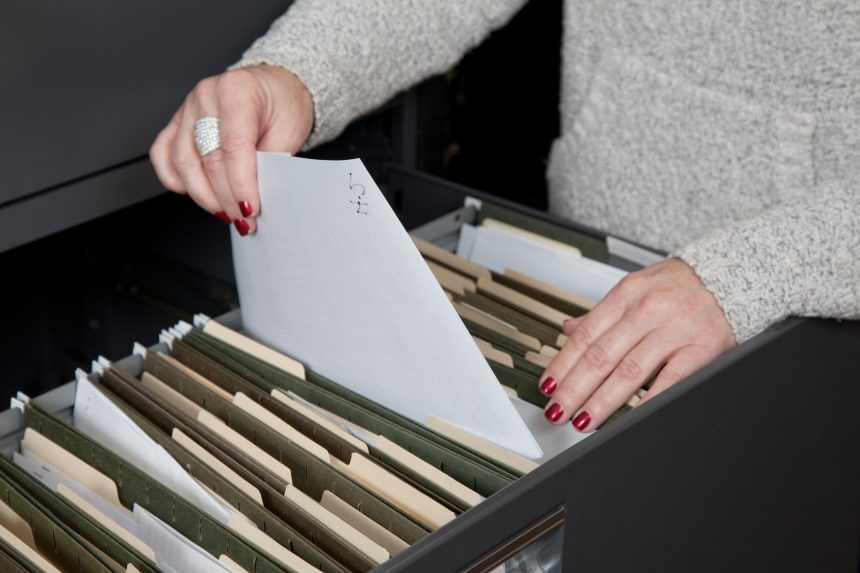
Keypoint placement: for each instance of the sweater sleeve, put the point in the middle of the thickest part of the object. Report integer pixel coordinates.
(799, 259)
(353, 55)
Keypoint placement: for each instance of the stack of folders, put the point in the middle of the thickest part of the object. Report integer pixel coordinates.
(516, 318)
(212, 452)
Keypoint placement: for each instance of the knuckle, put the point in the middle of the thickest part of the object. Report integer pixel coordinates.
(170, 184)
(629, 369)
(236, 89)
(184, 161)
(233, 79)
(233, 144)
(206, 85)
(160, 149)
(650, 305)
(176, 118)
(598, 405)
(672, 375)
(630, 283)
(214, 162)
(581, 337)
(559, 368)
(596, 356)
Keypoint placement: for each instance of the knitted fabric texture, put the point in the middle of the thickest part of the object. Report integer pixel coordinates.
(725, 132)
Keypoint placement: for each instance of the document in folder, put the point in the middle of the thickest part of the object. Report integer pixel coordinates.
(332, 279)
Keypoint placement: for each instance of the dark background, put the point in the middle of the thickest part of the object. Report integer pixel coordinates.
(100, 286)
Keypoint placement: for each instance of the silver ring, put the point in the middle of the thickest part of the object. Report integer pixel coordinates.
(207, 135)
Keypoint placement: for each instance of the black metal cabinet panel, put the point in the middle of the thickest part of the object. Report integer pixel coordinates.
(750, 464)
(86, 85)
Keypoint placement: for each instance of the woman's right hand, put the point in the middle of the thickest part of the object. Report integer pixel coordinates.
(260, 107)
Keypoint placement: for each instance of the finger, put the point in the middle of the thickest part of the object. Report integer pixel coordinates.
(159, 156)
(679, 366)
(213, 162)
(592, 326)
(594, 366)
(186, 163)
(569, 325)
(239, 134)
(628, 377)
(216, 173)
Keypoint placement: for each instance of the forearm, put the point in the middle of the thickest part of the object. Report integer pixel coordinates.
(354, 55)
(801, 259)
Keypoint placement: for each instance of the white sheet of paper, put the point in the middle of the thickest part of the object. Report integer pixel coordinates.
(172, 550)
(98, 417)
(552, 439)
(332, 279)
(497, 250)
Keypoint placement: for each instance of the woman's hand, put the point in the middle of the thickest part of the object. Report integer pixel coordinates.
(660, 320)
(260, 107)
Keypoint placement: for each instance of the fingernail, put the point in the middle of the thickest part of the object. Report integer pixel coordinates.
(242, 226)
(554, 412)
(246, 209)
(581, 421)
(548, 386)
(223, 216)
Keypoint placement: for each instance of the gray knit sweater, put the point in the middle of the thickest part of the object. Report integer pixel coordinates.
(726, 132)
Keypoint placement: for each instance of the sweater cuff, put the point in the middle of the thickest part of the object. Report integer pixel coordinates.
(798, 259)
(747, 288)
(319, 79)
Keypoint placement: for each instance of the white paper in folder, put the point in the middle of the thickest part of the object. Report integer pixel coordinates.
(332, 279)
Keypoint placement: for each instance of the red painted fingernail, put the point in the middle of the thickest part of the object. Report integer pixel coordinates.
(246, 209)
(548, 386)
(554, 412)
(242, 226)
(223, 216)
(581, 421)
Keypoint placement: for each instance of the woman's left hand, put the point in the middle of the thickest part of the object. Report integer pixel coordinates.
(660, 320)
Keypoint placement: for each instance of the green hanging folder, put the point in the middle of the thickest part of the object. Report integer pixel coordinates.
(166, 416)
(469, 468)
(496, 339)
(13, 562)
(525, 384)
(373, 507)
(265, 517)
(541, 295)
(137, 487)
(334, 443)
(313, 477)
(590, 247)
(545, 333)
(227, 380)
(51, 531)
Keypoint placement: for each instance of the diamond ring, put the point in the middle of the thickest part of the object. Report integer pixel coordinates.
(206, 134)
